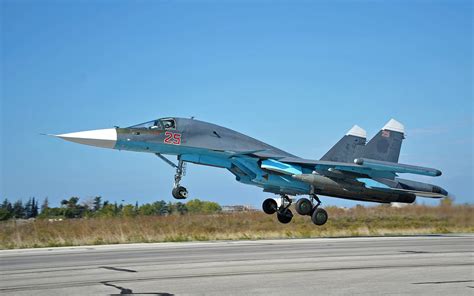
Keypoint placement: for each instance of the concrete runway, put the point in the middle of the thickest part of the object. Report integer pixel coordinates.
(421, 265)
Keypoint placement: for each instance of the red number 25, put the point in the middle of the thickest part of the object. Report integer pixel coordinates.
(172, 138)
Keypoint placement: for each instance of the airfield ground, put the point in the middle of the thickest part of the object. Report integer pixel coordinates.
(415, 265)
(357, 221)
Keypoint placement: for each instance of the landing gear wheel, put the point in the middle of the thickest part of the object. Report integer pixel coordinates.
(304, 206)
(319, 216)
(269, 206)
(285, 216)
(179, 192)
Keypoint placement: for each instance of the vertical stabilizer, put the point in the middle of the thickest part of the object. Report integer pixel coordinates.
(386, 144)
(346, 148)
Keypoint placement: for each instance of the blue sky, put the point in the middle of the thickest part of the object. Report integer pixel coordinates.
(297, 75)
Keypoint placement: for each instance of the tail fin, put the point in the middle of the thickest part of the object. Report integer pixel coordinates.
(386, 144)
(345, 149)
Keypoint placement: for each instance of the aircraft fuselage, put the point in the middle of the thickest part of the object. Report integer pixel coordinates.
(352, 169)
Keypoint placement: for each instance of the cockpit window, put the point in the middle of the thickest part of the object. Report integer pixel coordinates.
(168, 123)
(154, 124)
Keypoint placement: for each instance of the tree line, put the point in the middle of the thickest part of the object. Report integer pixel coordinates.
(72, 208)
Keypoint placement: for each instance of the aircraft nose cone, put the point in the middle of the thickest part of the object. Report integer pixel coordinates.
(106, 138)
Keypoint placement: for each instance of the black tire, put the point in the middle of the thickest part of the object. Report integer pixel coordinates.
(180, 192)
(285, 216)
(304, 206)
(319, 216)
(269, 206)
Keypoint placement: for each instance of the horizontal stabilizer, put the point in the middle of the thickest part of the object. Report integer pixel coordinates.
(405, 186)
(397, 167)
(415, 192)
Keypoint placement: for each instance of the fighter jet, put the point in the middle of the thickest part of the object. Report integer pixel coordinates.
(351, 169)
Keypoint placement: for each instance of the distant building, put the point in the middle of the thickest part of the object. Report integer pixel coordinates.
(238, 208)
(398, 205)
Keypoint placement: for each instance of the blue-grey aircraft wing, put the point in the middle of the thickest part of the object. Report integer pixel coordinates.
(360, 167)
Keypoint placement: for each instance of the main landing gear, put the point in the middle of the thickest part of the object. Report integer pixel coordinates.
(304, 206)
(284, 214)
(178, 192)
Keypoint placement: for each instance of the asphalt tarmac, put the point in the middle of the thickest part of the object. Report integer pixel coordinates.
(412, 265)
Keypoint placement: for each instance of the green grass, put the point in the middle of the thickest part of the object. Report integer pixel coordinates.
(358, 221)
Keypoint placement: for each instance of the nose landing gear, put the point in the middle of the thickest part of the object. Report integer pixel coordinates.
(178, 192)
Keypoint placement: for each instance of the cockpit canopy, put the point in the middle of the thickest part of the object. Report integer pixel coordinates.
(161, 124)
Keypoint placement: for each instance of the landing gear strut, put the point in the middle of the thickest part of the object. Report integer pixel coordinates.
(178, 192)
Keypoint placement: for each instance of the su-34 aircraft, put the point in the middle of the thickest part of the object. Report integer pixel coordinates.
(351, 169)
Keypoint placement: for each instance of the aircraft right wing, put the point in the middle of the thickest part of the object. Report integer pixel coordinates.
(360, 168)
